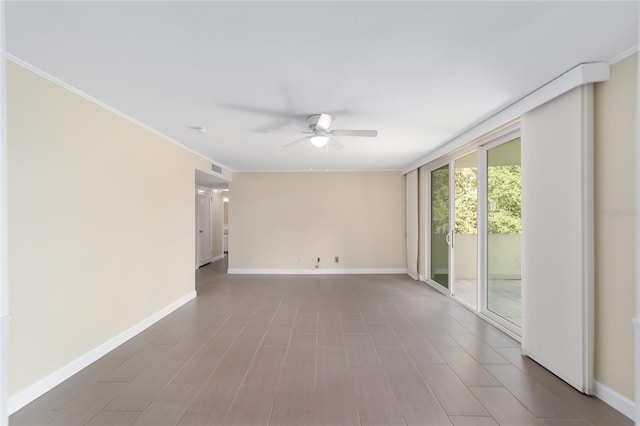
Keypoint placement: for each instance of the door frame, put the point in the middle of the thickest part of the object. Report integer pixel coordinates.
(483, 238)
(452, 224)
(507, 133)
(434, 165)
(200, 193)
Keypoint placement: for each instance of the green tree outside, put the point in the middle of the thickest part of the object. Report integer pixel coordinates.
(504, 197)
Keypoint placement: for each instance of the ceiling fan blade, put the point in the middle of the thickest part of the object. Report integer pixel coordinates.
(295, 142)
(367, 133)
(274, 125)
(258, 110)
(336, 144)
(324, 121)
(278, 130)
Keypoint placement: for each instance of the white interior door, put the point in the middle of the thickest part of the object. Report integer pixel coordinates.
(203, 231)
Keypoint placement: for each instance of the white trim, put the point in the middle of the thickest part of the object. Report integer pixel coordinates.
(258, 271)
(421, 277)
(621, 403)
(636, 328)
(636, 321)
(439, 287)
(207, 261)
(216, 258)
(29, 394)
(4, 392)
(575, 77)
(588, 250)
(4, 276)
(503, 324)
(483, 226)
(108, 107)
(623, 55)
(321, 171)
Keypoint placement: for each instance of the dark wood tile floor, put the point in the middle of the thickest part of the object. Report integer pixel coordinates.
(316, 350)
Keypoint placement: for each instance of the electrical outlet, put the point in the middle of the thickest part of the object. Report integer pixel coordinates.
(336, 259)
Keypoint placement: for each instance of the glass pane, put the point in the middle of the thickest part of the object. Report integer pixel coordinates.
(465, 241)
(440, 225)
(504, 231)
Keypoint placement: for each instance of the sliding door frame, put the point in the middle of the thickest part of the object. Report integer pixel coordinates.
(452, 224)
(434, 165)
(483, 233)
(506, 133)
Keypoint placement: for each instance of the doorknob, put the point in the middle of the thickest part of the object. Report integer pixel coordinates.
(200, 231)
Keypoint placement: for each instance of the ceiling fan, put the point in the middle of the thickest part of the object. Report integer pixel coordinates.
(320, 135)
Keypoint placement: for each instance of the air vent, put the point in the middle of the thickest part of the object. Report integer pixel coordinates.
(217, 169)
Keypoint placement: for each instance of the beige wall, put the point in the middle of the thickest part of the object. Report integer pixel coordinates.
(226, 215)
(615, 219)
(287, 220)
(101, 225)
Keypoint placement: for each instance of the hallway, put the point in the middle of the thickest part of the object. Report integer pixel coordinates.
(316, 350)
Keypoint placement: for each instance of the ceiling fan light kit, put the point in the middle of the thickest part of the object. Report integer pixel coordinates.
(320, 135)
(319, 140)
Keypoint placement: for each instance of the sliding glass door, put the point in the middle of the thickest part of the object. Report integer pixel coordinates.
(475, 229)
(504, 231)
(465, 235)
(439, 225)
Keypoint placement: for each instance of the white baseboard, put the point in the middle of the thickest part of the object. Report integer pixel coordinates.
(4, 368)
(29, 394)
(421, 277)
(210, 260)
(636, 329)
(257, 271)
(615, 400)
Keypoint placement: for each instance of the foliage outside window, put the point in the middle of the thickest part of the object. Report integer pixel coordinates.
(504, 200)
(504, 196)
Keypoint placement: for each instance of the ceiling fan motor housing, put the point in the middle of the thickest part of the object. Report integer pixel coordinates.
(320, 121)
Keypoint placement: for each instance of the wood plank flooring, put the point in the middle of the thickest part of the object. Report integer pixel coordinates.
(316, 350)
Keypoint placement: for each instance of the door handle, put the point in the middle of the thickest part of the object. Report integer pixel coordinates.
(200, 231)
(447, 238)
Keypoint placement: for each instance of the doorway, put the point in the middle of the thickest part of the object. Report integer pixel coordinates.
(474, 229)
(504, 232)
(203, 236)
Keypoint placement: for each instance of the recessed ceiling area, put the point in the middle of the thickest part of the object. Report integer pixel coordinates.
(419, 73)
(210, 181)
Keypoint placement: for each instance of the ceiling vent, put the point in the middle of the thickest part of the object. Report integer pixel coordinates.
(216, 169)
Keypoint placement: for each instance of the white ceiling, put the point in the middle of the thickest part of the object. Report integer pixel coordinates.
(418, 72)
